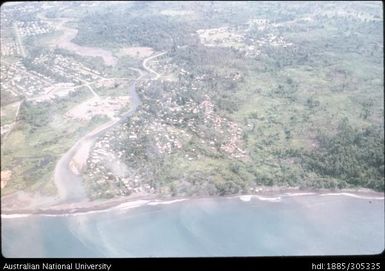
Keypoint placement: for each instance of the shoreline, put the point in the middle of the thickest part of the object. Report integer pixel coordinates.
(272, 194)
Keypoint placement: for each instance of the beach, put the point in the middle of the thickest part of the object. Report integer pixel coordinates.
(272, 194)
(291, 223)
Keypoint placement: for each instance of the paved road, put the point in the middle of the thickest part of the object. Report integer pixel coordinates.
(22, 50)
(14, 122)
(157, 75)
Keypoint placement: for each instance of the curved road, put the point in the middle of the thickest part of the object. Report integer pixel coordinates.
(70, 185)
(157, 75)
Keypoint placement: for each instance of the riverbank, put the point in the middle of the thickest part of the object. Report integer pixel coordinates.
(272, 194)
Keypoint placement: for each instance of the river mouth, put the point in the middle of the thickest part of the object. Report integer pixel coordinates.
(67, 180)
(302, 225)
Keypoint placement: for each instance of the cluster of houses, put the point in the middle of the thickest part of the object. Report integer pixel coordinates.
(17, 79)
(351, 14)
(51, 75)
(8, 43)
(6, 75)
(260, 24)
(122, 145)
(9, 46)
(220, 37)
(32, 28)
(20, 8)
(273, 40)
(149, 135)
(241, 38)
(107, 174)
(67, 67)
(232, 133)
(38, 85)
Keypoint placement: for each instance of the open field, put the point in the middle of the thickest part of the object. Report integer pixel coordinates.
(31, 150)
(136, 52)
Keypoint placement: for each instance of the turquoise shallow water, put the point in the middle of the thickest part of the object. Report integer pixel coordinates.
(304, 225)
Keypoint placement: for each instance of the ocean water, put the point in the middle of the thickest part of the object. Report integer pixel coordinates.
(289, 225)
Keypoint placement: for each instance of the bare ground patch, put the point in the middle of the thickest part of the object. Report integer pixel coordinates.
(5, 177)
(109, 107)
(136, 52)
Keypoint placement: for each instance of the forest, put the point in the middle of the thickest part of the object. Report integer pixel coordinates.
(311, 114)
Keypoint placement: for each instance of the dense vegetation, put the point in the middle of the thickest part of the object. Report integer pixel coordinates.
(352, 157)
(311, 114)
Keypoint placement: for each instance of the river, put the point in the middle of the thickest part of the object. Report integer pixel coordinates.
(288, 225)
(70, 184)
